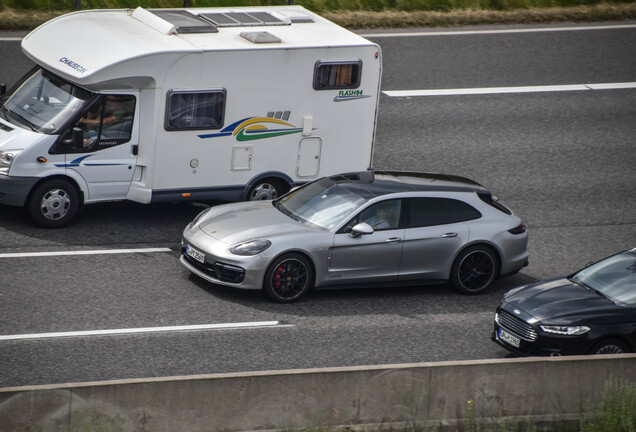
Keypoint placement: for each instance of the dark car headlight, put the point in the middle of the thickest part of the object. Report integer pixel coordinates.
(250, 248)
(565, 330)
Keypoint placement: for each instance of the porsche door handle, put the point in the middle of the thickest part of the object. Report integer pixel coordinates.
(449, 235)
(393, 240)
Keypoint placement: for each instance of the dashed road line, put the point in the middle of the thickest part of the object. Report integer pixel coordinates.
(128, 331)
(504, 90)
(83, 252)
(496, 31)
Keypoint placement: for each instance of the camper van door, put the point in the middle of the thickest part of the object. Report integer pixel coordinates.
(108, 155)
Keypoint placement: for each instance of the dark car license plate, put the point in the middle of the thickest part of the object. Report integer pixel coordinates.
(509, 339)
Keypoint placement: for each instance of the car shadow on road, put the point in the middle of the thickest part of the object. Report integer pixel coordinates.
(401, 300)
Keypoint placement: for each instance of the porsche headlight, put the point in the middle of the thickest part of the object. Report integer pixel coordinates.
(6, 158)
(565, 330)
(250, 248)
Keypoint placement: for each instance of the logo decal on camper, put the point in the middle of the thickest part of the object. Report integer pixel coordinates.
(347, 95)
(70, 63)
(253, 128)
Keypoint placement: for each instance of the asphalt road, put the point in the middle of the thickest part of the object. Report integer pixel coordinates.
(563, 160)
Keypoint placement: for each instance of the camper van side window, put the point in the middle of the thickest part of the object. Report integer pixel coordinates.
(106, 123)
(195, 110)
(337, 75)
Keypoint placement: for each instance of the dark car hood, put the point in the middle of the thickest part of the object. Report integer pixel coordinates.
(560, 301)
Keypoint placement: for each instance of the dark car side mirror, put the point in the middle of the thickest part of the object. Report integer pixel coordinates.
(362, 228)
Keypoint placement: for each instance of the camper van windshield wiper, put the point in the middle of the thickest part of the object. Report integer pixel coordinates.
(3, 113)
(21, 120)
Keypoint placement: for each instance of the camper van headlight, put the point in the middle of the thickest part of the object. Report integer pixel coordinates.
(6, 157)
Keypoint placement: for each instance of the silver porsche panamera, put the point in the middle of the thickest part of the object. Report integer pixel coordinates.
(366, 228)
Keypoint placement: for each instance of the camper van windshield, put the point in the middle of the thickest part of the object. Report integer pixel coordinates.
(42, 101)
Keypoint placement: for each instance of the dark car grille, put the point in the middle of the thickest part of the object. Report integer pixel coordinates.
(220, 271)
(516, 325)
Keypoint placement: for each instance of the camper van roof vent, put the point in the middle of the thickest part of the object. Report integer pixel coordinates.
(243, 19)
(184, 21)
(259, 37)
(297, 17)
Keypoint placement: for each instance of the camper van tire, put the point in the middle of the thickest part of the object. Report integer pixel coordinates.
(53, 204)
(267, 189)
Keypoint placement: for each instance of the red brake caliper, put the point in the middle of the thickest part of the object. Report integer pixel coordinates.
(279, 273)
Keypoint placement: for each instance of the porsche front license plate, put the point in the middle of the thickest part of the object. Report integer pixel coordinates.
(192, 252)
(509, 339)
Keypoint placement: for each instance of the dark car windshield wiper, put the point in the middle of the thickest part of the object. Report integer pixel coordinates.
(589, 288)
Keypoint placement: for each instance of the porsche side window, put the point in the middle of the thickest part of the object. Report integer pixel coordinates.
(337, 75)
(439, 211)
(188, 110)
(384, 215)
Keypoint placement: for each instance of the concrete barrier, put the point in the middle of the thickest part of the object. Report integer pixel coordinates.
(435, 394)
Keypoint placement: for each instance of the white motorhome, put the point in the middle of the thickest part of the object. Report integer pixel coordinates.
(184, 104)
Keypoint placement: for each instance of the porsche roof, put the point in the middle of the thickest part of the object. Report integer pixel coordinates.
(372, 183)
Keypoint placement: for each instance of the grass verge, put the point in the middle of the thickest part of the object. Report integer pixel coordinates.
(19, 19)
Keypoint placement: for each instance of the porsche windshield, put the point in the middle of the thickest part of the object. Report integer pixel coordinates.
(42, 101)
(614, 277)
(322, 203)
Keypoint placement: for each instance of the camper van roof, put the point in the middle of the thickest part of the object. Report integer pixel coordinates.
(97, 46)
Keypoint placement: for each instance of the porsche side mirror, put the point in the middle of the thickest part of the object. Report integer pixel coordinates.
(362, 228)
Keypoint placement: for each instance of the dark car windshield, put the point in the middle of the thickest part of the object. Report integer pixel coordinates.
(613, 277)
(323, 203)
(42, 101)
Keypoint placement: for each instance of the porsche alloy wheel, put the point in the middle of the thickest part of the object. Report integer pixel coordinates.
(474, 270)
(288, 278)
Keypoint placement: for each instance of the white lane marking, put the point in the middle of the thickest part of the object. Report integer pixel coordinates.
(456, 32)
(501, 31)
(83, 252)
(227, 326)
(501, 90)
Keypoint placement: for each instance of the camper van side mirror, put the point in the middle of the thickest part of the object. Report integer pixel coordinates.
(77, 138)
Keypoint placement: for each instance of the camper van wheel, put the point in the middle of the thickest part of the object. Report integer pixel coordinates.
(267, 189)
(53, 204)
